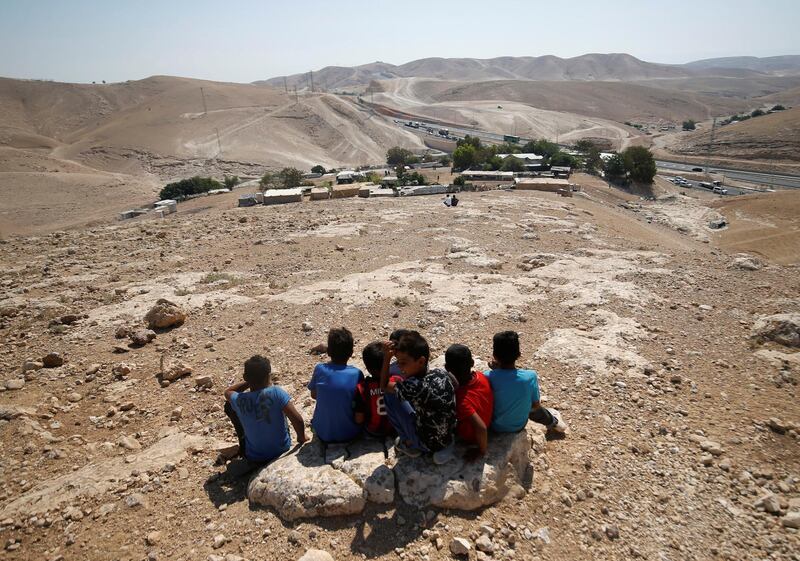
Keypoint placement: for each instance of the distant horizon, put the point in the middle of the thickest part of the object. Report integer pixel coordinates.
(320, 68)
(243, 41)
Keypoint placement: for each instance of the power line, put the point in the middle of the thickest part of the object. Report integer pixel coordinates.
(205, 107)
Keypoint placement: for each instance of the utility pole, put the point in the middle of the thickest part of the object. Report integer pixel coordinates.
(295, 94)
(285, 87)
(205, 107)
(710, 147)
(311, 74)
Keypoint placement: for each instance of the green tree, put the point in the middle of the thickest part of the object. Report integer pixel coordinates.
(563, 159)
(290, 177)
(592, 161)
(186, 187)
(778, 107)
(511, 163)
(493, 163)
(445, 160)
(231, 182)
(267, 180)
(414, 178)
(689, 125)
(468, 140)
(614, 167)
(584, 146)
(373, 177)
(318, 169)
(397, 156)
(465, 156)
(639, 164)
(757, 113)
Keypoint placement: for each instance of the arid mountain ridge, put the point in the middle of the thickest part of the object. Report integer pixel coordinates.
(594, 66)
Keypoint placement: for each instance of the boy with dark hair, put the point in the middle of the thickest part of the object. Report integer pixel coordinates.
(333, 385)
(422, 406)
(516, 392)
(370, 403)
(259, 415)
(394, 337)
(474, 401)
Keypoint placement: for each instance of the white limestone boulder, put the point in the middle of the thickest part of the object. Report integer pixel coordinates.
(303, 484)
(463, 485)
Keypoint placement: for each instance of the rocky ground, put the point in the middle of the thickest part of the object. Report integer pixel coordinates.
(675, 364)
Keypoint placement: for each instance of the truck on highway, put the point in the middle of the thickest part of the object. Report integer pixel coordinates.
(706, 185)
(511, 139)
(444, 132)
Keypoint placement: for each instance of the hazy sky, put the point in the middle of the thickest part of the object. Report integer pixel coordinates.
(247, 40)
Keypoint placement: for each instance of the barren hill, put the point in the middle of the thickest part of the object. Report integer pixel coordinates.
(770, 137)
(610, 100)
(72, 153)
(141, 126)
(786, 64)
(595, 66)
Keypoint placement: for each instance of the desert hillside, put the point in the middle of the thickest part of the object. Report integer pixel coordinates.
(138, 127)
(670, 357)
(770, 137)
(594, 66)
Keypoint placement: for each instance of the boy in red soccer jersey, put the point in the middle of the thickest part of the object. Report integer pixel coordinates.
(370, 407)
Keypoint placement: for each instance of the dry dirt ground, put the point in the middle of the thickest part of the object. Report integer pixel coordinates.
(637, 322)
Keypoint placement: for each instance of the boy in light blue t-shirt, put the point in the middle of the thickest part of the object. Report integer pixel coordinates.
(259, 415)
(516, 392)
(333, 386)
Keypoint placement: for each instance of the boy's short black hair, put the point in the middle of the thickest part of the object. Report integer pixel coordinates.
(257, 370)
(398, 334)
(458, 361)
(340, 344)
(372, 355)
(414, 345)
(505, 346)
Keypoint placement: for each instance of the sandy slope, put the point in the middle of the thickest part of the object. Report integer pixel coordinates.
(164, 117)
(767, 225)
(770, 137)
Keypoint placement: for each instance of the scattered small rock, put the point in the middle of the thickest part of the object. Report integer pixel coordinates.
(52, 360)
(460, 546)
(165, 314)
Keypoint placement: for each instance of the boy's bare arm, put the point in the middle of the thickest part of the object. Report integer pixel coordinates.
(314, 393)
(481, 435)
(536, 405)
(296, 419)
(235, 388)
(387, 386)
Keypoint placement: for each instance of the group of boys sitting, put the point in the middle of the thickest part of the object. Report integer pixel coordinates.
(426, 409)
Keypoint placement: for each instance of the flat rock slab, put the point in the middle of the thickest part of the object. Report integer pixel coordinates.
(304, 484)
(466, 485)
(100, 477)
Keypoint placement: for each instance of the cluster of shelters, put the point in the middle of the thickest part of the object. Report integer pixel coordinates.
(159, 209)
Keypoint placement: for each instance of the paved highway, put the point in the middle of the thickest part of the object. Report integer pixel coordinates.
(696, 185)
(767, 179)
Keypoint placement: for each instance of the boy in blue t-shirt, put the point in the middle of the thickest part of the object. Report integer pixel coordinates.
(333, 385)
(259, 415)
(516, 392)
